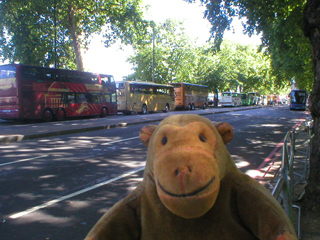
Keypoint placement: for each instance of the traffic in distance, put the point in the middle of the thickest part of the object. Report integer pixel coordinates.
(41, 93)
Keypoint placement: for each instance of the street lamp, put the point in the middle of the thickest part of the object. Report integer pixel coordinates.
(55, 32)
(153, 50)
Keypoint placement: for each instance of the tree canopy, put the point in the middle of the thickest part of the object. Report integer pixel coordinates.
(280, 23)
(172, 52)
(44, 32)
(178, 59)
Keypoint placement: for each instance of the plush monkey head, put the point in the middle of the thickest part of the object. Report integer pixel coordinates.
(186, 160)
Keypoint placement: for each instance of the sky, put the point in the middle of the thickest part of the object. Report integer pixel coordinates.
(113, 60)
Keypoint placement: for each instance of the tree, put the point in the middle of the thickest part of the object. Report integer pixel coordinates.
(179, 60)
(44, 32)
(312, 31)
(172, 51)
(281, 24)
(282, 38)
(236, 66)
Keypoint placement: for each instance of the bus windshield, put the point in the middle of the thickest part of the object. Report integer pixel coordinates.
(299, 97)
(7, 72)
(8, 84)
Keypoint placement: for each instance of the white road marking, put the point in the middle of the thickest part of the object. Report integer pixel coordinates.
(23, 160)
(123, 140)
(42, 156)
(36, 208)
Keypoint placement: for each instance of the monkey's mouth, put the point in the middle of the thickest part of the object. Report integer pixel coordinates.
(186, 194)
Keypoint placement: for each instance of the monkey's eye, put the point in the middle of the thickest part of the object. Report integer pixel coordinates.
(202, 138)
(164, 140)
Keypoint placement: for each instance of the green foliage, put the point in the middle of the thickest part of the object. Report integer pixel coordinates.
(177, 59)
(238, 67)
(280, 22)
(40, 32)
(172, 51)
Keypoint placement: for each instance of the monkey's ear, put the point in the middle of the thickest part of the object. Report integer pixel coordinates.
(225, 130)
(146, 133)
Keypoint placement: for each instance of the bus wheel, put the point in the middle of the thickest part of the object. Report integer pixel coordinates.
(60, 114)
(104, 112)
(144, 109)
(47, 115)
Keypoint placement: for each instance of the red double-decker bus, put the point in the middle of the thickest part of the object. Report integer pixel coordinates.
(30, 92)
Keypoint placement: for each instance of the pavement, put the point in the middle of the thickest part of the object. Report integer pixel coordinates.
(308, 226)
(13, 132)
(306, 223)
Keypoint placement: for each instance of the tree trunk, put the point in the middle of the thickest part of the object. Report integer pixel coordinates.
(74, 36)
(312, 31)
(216, 98)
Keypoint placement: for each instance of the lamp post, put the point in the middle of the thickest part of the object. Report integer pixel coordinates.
(55, 32)
(153, 51)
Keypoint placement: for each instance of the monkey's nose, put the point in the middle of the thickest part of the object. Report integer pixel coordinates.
(183, 170)
(183, 175)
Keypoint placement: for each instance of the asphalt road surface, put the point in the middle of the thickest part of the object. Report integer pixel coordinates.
(58, 187)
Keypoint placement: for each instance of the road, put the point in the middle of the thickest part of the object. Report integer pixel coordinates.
(58, 187)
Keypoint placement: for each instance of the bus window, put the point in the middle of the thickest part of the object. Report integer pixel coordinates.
(93, 78)
(80, 98)
(114, 98)
(80, 77)
(32, 73)
(94, 98)
(69, 77)
(298, 99)
(111, 98)
(89, 98)
(51, 75)
(160, 91)
(71, 98)
(67, 98)
(10, 72)
(143, 89)
(108, 98)
(132, 88)
(106, 79)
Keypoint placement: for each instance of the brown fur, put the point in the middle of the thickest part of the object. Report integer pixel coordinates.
(192, 190)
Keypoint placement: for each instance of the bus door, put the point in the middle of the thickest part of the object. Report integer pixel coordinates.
(69, 100)
(122, 96)
(179, 96)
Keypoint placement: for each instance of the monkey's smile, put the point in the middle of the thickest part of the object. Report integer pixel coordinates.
(187, 194)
